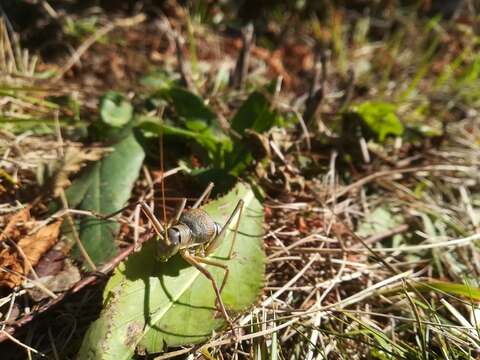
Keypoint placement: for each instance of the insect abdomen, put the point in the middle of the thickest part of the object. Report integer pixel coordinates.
(202, 226)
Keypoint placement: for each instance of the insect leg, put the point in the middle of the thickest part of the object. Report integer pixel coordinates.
(193, 261)
(217, 264)
(178, 212)
(159, 229)
(204, 196)
(215, 242)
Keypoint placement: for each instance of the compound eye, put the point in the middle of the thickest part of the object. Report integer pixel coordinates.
(174, 236)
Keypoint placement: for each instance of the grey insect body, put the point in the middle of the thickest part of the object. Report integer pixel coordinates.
(196, 226)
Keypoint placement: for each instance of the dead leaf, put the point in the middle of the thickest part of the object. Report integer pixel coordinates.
(21, 216)
(62, 281)
(55, 173)
(11, 269)
(51, 263)
(73, 160)
(34, 246)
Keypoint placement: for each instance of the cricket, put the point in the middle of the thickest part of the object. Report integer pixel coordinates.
(195, 235)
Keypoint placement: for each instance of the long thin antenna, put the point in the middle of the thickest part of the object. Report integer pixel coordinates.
(162, 184)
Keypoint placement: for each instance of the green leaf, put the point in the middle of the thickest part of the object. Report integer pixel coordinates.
(255, 114)
(149, 305)
(157, 80)
(464, 290)
(199, 122)
(115, 110)
(193, 110)
(104, 188)
(380, 117)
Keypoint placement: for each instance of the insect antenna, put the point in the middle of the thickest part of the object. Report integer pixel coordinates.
(162, 183)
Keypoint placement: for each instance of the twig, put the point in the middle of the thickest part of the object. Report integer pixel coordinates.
(348, 90)
(82, 49)
(317, 89)
(241, 68)
(385, 173)
(105, 269)
(292, 281)
(76, 237)
(182, 66)
(18, 342)
(384, 235)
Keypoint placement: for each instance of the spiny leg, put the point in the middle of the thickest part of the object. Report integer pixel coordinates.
(159, 229)
(216, 242)
(204, 195)
(217, 264)
(192, 261)
(178, 212)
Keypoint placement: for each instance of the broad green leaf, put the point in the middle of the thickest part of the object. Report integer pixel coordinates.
(215, 150)
(149, 305)
(104, 188)
(193, 110)
(380, 117)
(255, 113)
(115, 110)
(199, 121)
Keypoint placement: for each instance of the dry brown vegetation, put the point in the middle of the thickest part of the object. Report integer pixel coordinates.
(368, 169)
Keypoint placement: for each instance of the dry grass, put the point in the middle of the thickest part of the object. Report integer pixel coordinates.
(371, 245)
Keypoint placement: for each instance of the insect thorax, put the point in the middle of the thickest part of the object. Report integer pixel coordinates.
(202, 227)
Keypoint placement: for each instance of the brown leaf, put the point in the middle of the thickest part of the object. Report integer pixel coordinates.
(11, 269)
(73, 160)
(62, 281)
(34, 246)
(21, 216)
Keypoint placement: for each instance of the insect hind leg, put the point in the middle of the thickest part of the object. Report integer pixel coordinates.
(194, 261)
(218, 239)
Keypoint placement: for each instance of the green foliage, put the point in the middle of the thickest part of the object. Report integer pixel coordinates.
(105, 187)
(115, 110)
(255, 114)
(195, 121)
(80, 28)
(151, 305)
(380, 117)
(464, 290)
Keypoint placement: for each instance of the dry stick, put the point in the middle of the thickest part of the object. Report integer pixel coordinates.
(385, 173)
(229, 341)
(29, 267)
(384, 235)
(412, 248)
(295, 318)
(18, 342)
(34, 282)
(349, 90)
(10, 309)
(76, 237)
(127, 22)
(241, 68)
(293, 280)
(317, 89)
(105, 269)
(182, 66)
